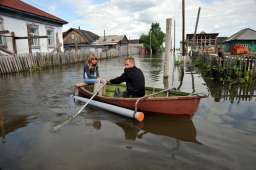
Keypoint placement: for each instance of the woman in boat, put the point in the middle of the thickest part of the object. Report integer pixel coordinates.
(91, 72)
(134, 78)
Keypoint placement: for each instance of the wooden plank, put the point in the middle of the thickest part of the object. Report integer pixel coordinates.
(14, 43)
(7, 64)
(32, 37)
(26, 67)
(18, 62)
(12, 64)
(4, 32)
(26, 63)
(1, 66)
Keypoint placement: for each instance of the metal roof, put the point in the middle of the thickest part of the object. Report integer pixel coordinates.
(88, 35)
(109, 39)
(244, 34)
(23, 7)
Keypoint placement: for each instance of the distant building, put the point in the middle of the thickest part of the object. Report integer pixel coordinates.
(245, 40)
(135, 47)
(221, 41)
(206, 42)
(118, 42)
(80, 39)
(27, 29)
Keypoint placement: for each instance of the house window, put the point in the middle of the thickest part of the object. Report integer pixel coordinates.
(33, 30)
(2, 38)
(50, 39)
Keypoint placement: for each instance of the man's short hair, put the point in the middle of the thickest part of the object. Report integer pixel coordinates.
(131, 59)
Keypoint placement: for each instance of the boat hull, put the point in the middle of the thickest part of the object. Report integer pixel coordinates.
(172, 105)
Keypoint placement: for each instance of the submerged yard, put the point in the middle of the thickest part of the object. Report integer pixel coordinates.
(221, 135)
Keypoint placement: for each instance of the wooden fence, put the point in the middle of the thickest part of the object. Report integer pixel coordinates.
(20, 63)
(229, 66)
(234, 78)
(241, 62)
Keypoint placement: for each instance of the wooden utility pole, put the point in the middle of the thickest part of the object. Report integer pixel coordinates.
(168, 46)
(104, 36)
(14, 43)
(58, 44)
(197, 20)
(29, 39)
(174, 37)
(2, 127)
(183, 28)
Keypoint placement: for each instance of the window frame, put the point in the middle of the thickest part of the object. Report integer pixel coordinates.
(52, 37)
(37, 40)
(3, 43)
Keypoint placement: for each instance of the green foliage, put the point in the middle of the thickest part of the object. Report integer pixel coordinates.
(178, 62)
(157, 38)
(225, 73)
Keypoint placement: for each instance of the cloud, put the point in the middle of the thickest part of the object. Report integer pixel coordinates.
(135, 5)
(134, 17)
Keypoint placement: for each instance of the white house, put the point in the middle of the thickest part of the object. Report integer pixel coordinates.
(27, 29)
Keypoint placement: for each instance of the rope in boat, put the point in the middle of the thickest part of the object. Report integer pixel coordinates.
(139, 99)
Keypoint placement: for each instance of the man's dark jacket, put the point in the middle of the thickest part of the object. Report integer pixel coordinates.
(135, 81)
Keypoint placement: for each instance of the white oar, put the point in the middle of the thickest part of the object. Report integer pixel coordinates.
(75, 115)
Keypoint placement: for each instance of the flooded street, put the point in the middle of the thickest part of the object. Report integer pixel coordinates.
(221, 135)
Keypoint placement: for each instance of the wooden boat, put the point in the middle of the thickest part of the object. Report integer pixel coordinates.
(169, 102)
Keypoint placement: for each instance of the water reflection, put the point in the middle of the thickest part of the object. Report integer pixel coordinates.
(153, 66)
(181, 73)
(231, 92)
(178, 128)
(11, 123)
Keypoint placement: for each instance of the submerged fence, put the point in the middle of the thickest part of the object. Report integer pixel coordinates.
(230, 78)
(243, 63)
(232, 92)
(229, 68)
(20, 63)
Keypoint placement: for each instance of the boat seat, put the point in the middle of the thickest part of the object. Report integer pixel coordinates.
(80, 84)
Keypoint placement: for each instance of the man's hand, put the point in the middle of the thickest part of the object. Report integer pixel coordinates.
(102, 80)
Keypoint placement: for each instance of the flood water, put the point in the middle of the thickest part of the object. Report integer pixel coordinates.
(221, 135)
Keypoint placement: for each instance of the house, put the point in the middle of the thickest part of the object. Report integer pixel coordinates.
(118, 42)
(206, 42)
(27, 29)
(79, 39)
(242, 42)
(135, 47)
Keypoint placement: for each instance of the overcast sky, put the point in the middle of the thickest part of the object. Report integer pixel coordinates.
(134, 17)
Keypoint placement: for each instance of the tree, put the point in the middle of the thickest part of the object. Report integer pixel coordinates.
(157, 38)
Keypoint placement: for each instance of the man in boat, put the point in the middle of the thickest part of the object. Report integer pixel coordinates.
(134, 78)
